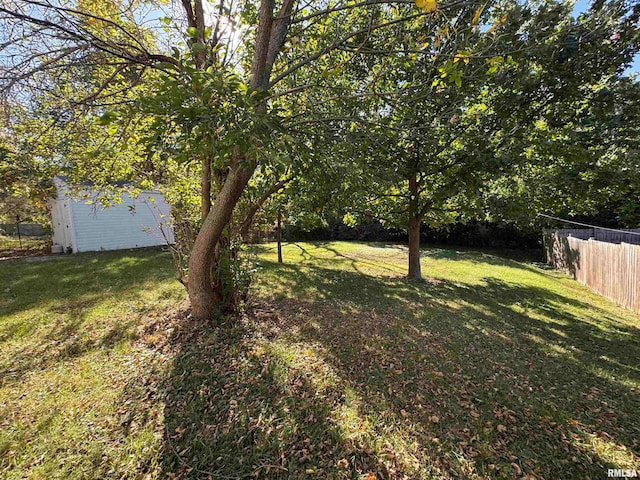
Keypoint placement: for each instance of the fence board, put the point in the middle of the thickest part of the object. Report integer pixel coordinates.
(610, 269)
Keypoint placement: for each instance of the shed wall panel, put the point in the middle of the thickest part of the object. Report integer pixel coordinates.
(136, 222)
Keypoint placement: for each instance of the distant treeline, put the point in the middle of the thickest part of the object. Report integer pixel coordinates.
(471, 234)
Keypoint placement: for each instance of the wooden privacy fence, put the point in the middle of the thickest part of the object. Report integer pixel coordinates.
(610, 269)
(627, 235)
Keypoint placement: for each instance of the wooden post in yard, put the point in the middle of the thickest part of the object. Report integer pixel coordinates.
(18, 230)
(279, 236)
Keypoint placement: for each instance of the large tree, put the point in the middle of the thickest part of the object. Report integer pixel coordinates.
(474, 120)
(203, 84)
(222, 87)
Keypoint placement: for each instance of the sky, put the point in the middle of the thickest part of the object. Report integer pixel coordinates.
(580, 7)
(583, 6)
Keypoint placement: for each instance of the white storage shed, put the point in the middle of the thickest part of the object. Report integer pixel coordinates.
(81, 225)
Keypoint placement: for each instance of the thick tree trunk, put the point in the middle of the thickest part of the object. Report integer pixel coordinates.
(268, 42)
(200, 284)
(279, 236)
(414, 249)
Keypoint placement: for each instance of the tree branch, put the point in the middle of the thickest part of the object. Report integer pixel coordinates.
(253, 209)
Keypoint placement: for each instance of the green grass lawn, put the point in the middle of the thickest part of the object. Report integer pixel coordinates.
(337, 368)
(76, 381)
(14, 246)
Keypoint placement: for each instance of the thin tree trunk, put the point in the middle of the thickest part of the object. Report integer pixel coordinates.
(195, 19)
(279, 236)
(414, 249)
(248, 221)
(253, 209)
(18, 230)
(205, 195)
(415, 272)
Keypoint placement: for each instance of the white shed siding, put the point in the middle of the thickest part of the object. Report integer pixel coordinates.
(119, 226)
(82, 226)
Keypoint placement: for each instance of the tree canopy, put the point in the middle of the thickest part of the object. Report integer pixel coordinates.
(426, 110)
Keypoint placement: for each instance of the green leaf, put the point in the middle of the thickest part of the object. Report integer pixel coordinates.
(108, 117)
(198, 47)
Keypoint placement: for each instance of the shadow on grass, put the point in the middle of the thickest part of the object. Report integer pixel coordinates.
(235, 409)
(362, 374)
